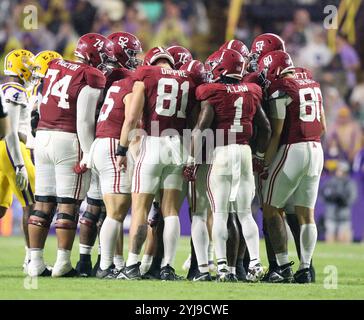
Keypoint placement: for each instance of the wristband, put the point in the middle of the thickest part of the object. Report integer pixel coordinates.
(260, 154)
(121, 151)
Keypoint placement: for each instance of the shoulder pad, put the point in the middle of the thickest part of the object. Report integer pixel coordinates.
(14, 93)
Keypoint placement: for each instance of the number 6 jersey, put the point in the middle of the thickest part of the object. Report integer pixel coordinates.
(62, 84)
(299, 103)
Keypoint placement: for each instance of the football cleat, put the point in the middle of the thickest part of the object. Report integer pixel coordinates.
(109, 273)
(222, 275)
(64, 270)
(202, 276)
(152, 274)
(39, 270)
(255, 273)
(283, 274)
(231, 277)
(169, 274)
(84, 268)
(130, 273)
(302, 276)
(313, 273)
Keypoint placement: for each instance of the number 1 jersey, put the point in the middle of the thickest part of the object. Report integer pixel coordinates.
(61, 86)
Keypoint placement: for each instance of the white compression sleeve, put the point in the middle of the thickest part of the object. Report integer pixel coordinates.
(86, 108)
(12, 139)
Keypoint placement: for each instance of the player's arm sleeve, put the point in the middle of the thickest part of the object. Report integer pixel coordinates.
(278, 105)
(12, 139)
(4, 124)
(86, 109)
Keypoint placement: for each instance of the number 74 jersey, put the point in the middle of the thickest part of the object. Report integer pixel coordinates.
(299, 103)
(61, 85)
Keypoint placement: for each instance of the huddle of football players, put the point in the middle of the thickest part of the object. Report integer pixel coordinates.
(124, 134)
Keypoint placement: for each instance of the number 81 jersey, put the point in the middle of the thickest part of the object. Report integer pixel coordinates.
(299, 103)
(61, 86)
(169, 98)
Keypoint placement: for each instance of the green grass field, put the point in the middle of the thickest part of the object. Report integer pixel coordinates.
(348, 259)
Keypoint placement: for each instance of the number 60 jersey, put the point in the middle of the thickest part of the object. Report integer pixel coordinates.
(62, 84)
(299, 102)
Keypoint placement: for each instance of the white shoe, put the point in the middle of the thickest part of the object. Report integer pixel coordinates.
(63, 269)
(38, 269)
(255, 273)
(187, 264)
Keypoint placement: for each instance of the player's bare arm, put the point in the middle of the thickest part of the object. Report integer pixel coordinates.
(264, 129)
(204, 121)
(133, 110)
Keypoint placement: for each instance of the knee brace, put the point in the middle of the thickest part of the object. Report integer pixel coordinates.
(94, 202)
(89, 219)
(70, 223)
(40, 218)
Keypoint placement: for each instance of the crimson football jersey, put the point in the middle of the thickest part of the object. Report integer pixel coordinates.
(303, 113)
(61, 86)
(169, 98)
(112, 114)
(234, 106)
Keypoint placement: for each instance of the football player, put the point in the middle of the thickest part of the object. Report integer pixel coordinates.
(65, 133)
(262, 45)
(165, 97)
(231, 108)
(115, 184)
(126, 48)
(16, 167)
(295, 160)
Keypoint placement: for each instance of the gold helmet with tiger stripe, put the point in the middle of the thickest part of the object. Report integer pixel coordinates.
(41, 61)
(19, 63)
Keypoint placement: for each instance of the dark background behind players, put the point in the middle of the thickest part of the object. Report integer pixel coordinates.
(201, 27)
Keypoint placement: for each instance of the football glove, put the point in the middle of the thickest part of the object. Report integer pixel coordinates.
(21, 177)
(258, 162)
(81, 167)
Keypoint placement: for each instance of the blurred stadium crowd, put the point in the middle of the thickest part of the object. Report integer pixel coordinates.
(200, 26)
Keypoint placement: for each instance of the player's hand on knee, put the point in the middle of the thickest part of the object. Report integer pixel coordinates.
(81, 167)
(189, 172)
(21, 177)
(121, 162)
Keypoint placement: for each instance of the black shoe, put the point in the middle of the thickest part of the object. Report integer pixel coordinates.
(313, 273)
(232, 278)
(168, 274)
(202, 276)
(47, 272)
(152, 274)
(241, 273)
(192, 272)
(222, 275)
(303, 276)
(96, 266)
(282, 274)
(70, 274)
(109, 273)
(130, 273)
(84, 268)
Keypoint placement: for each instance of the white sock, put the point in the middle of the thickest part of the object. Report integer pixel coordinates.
(133, 258)
(308, 239)
(63, 256)
(220, 234)
(146, 263)
(108, 236)
(250, 233)
(171, 234)
(36, 256)
(85, 249)
(211, 251)
(200, 238)
(27, 254)
(282, 258)
(119, 261)
(232, 270)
